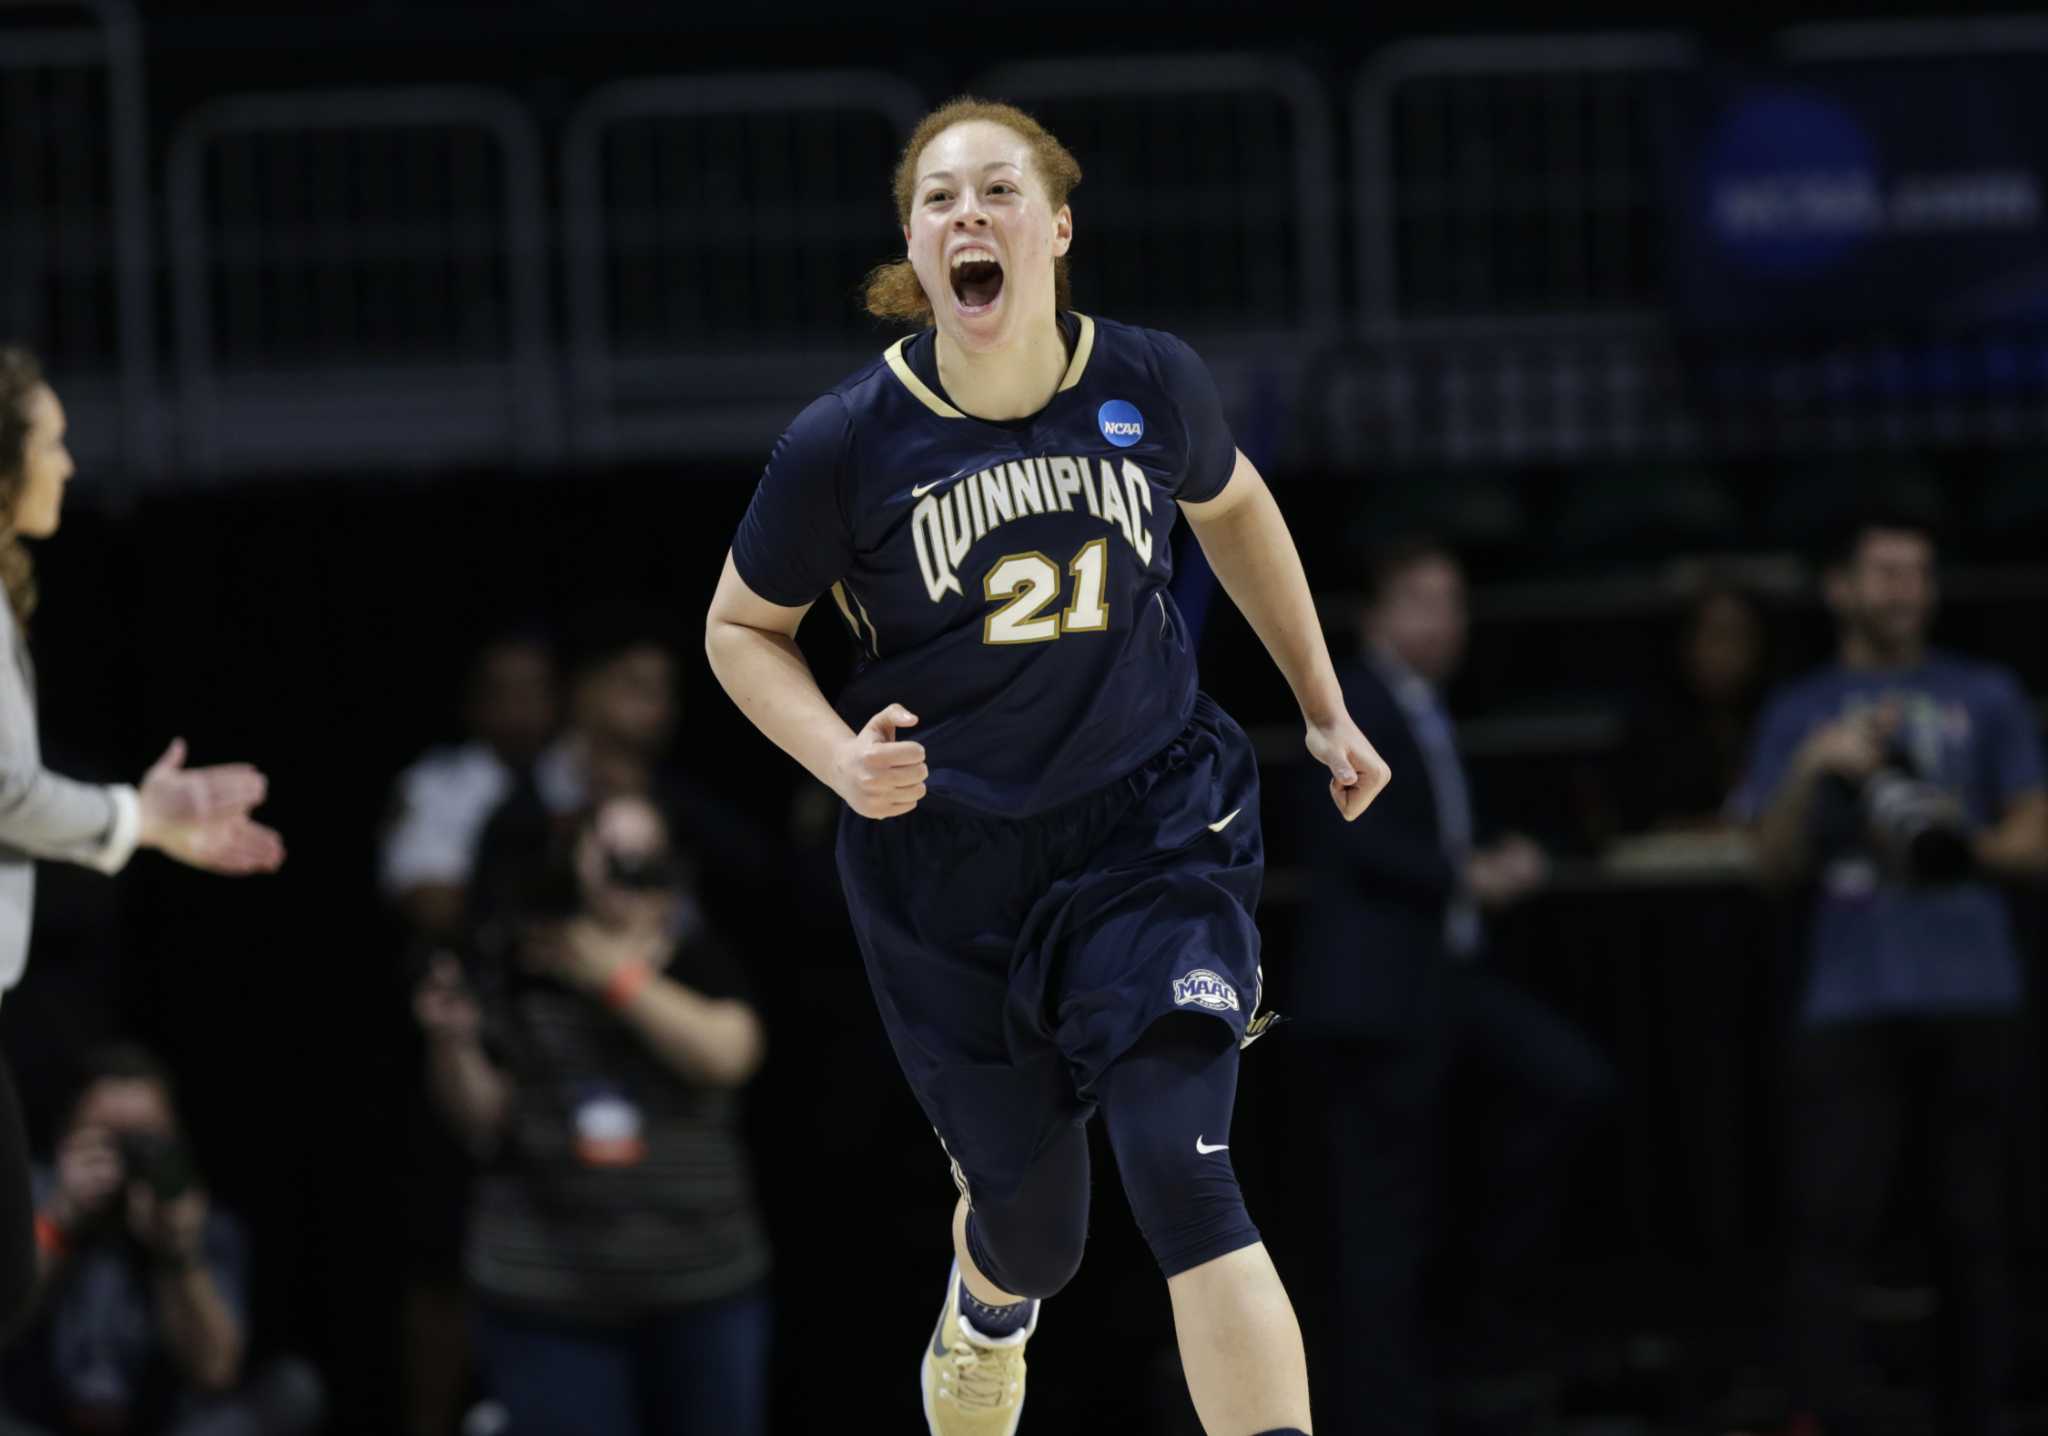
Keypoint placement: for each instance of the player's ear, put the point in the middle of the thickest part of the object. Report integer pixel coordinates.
(906, 241)
(1062, 231)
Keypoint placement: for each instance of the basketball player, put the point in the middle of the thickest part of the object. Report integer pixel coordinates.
(1053, 882)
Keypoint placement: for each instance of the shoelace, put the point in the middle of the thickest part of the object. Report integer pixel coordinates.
(981, 1377)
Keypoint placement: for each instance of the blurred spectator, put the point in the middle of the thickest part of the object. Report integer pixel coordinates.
(593, 1060)
(1901, 781)
(1389, 990)
(142, 1318)
(623, 711)
(1690, 736)
(441, 804)
(1703, 731)
(444, 799)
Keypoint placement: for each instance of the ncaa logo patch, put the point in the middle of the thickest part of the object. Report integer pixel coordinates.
(1121, 423)
(1204, 988)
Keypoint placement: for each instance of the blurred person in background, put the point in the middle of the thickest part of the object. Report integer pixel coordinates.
(441, 802)
(142, 1322)
(1693, 736)
(1689, 734)
(1388, 987)
(1900, 784)
(592, 1060)
(623, 708)
(440, 805)
(199, 816)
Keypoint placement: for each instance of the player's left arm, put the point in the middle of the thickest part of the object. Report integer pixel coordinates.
(1246, 541)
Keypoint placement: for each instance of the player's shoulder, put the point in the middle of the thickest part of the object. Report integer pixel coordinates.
(1157, 353)
(870, 383)
(1151, 368)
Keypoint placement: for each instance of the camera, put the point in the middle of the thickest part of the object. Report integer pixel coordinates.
(642, 872)
(157, 1162)
(1915, 829)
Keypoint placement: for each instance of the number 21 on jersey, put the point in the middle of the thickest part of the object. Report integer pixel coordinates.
(1031, 583)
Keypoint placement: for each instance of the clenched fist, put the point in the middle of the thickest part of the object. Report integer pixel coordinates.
(878, 775)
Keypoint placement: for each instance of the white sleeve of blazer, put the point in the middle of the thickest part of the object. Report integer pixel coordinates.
(43, 815)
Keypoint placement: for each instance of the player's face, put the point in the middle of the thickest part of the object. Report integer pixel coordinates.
(46, 465)
(1887, 593)
(982, 236)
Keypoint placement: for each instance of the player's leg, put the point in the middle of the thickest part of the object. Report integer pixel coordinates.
(1167, 1103)
(1012, 1250)
(939, 958)
(1026, 1246)
(980, 1286)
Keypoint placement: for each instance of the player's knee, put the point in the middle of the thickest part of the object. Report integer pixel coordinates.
(1168, 1105)
(1188, 1205)
(1030, 1263)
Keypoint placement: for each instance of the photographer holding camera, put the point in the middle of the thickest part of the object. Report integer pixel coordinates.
(592, 1060)
(141, 1321)
(1901, 783)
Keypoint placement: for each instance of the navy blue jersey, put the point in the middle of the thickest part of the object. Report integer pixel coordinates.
(1006, 581)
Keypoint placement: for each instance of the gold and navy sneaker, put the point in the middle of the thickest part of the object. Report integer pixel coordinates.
(973, 1384)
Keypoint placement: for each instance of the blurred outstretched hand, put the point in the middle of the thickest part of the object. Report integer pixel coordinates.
(200, 816)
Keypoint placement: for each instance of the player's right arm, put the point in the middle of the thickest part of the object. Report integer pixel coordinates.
(751, 644)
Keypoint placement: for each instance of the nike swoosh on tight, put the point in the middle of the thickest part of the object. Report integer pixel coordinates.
(1205, 1148)
(1223, 822)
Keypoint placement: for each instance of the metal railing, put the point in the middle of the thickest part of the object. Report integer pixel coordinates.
(74, 220)
(365, 278)
(716, 230)
(360, 278)
(1206, 202)
(1510, 178)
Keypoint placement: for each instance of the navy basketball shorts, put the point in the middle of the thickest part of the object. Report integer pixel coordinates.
(1014, 959)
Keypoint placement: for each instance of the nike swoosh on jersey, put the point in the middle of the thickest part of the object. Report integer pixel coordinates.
(1223, 822)
(1206, 1148)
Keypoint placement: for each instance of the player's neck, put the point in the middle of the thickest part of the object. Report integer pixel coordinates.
(1013, 382)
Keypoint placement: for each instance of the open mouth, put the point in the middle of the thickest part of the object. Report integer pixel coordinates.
(977, 282)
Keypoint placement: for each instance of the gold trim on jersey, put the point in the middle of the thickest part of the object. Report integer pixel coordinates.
(846, 612)
(856, 615)
(931, 401)
(1084, 347)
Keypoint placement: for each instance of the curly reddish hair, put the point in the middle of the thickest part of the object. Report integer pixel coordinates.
(893, 290)
(20, 377)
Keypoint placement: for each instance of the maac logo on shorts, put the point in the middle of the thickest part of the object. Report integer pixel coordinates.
(1122, 424)
(1204, 989)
